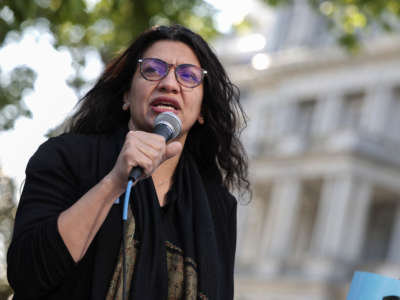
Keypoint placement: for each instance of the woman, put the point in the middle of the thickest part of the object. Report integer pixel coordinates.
(182, 222)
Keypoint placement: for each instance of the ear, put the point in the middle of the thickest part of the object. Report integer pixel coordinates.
(200, 119)
(126, 104)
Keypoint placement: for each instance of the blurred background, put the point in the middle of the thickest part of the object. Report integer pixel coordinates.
(320, 82)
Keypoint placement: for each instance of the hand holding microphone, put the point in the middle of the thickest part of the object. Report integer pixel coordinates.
(167, 125)
(146, 151)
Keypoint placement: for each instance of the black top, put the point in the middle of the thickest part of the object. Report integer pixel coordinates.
(59, 173)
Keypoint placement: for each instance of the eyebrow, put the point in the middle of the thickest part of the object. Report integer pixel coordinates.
(185, 63)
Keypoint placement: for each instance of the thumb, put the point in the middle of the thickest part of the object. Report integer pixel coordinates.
(173, 148)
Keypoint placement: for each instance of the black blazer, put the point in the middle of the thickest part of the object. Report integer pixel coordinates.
(58, 174)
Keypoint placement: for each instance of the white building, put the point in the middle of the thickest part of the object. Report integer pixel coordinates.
(324, 140)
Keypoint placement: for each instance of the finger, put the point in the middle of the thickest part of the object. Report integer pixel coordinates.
(151, 139)
(149, 144)
(173, 149)
(153, 152)
(147, 166)
(147, 151)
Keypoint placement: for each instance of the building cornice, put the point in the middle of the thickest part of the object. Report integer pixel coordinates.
(301, 61)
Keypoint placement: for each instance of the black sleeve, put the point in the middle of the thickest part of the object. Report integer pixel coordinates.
(37, 258)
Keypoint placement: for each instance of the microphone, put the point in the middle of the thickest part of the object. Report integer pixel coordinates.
(166, 124)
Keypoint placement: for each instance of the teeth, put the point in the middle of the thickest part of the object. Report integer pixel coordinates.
(165, 105)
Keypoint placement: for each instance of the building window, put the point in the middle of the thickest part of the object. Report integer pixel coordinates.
(394, 120)
(305, 115)
(310, 196)
(380, 225)
(304, 226)
(251, 225)
(352, 110)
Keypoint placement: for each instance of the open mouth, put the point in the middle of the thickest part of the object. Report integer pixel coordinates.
(165, 104)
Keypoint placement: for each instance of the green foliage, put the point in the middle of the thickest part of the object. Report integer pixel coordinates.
(350, 18)
(12, 86)
(108, 26)
(278, 2)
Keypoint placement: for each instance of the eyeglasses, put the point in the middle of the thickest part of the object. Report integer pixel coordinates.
(154, 69)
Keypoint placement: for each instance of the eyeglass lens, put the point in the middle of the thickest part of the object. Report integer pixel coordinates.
(155, 69)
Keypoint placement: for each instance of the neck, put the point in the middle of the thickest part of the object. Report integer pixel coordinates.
(167, 168)
(162, 178)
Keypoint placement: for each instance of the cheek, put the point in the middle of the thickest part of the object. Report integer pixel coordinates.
(137, 88)
(197, 98)
(137, 95)
(200, 101)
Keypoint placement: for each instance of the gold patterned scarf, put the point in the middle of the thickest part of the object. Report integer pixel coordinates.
(156, 268)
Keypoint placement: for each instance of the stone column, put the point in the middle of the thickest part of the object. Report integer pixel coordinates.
(329, 228)
(330, 223)
(394, 247)
(281, 216)
(286, 117)
(341, 218)
(376, 109)
(327, 114)
(289, 142)
(250, 223)
(356, 220)
(252, 137)
(302, 23)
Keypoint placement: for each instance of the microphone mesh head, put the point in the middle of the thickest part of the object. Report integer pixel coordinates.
(171, 120)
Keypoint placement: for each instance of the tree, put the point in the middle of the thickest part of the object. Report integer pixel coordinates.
(80, 25)
(349, 19)
(109, 25)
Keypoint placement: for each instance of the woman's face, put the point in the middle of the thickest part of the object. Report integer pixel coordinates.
(147, 99)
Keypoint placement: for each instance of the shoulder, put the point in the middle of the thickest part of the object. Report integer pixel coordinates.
(80, 153)
(63, 148)
(69, 140)
(74, 160)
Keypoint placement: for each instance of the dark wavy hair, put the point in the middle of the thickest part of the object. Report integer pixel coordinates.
(215, 145)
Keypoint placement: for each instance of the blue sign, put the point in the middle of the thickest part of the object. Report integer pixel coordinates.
(369, 286)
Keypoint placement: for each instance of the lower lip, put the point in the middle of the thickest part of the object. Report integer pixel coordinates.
(159, 109)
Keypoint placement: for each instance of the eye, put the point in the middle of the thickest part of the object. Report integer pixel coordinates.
(188, 73)
(149, 70)
(188, 76)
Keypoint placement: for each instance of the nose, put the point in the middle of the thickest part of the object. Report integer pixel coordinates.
(169, 83)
